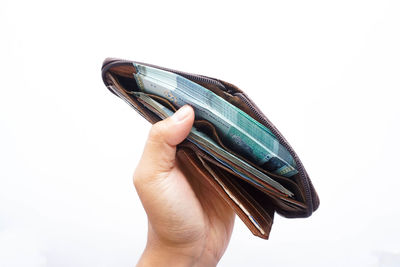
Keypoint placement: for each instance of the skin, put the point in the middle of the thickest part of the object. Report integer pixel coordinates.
(188, 223)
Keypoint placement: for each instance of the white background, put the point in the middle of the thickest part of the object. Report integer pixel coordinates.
(326, 73)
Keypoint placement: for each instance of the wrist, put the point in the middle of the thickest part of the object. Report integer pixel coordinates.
(162, 250)
(161, 255)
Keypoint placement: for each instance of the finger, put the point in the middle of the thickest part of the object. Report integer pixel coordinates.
(159, 153)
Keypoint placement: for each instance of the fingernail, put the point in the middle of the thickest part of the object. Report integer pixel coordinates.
(182, 113)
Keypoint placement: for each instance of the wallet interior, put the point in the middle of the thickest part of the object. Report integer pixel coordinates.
(259, 198)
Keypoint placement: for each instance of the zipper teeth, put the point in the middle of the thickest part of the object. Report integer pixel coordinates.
(284, 143)
(194, 77)
(185, 74)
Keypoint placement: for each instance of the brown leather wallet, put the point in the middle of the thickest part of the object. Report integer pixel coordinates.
(255, 204)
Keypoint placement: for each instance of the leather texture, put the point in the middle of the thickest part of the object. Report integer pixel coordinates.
(255, 205)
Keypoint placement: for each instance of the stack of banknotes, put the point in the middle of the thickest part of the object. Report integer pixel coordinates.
(238, 131)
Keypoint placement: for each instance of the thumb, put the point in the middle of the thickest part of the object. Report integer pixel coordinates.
(159, 153)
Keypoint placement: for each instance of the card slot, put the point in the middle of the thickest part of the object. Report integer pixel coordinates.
(125, 80)
(249, 178)
(253, 215)
(163, 101)
(282, 207)
(282, 203)
(260, 216)
(133, 102)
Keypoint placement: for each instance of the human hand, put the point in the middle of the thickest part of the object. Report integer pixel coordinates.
(188, 223)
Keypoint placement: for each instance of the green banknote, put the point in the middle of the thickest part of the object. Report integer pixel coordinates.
(206, 143)
(237, 129)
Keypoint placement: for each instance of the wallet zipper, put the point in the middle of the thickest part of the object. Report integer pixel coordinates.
(190, 76)
(285, 144)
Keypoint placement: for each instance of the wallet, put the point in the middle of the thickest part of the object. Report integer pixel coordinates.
(254, 203)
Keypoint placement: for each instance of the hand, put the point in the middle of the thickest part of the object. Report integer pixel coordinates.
(188, 223)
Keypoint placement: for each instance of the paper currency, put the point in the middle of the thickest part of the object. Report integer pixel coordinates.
(238, 130)
(207, 144)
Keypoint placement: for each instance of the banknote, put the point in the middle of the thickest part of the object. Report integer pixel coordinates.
(207, 144)
(238, 130)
